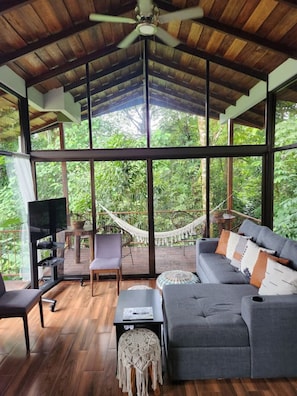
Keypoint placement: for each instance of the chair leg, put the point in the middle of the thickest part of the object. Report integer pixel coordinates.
(26, 331)
(118, 281)
(92, 281)
(41, 313)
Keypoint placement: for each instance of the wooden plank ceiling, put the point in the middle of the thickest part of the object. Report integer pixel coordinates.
(49, 42)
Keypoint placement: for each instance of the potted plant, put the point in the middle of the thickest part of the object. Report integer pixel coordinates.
(77, 220)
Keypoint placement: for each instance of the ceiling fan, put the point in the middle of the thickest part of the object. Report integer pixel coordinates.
(147, 21)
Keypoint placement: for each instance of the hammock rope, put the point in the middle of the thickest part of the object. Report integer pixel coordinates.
(161, 237)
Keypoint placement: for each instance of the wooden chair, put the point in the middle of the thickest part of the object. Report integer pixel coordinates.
(107, 257)
(18, 303)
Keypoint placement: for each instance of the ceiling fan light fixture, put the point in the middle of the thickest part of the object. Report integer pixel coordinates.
(146, 29)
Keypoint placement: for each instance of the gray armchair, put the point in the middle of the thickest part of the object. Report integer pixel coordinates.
(18, 303)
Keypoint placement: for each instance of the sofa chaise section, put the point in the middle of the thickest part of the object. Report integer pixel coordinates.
(228, 331)
(205, 335)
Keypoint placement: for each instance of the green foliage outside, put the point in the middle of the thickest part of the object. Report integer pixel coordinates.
(121, 186)
(10, 220)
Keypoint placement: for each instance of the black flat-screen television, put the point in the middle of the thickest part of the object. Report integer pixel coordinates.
(46, 217)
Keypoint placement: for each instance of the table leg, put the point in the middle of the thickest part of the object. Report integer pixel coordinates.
(91, 239)
(77, 248)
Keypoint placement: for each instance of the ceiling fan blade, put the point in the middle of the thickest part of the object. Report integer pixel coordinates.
(128, 40)
(181, 15)
(167, 38)
(110, 18)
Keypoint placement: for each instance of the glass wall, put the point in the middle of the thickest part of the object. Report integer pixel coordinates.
(179, 212)
(247, 186)
(285, 168)
(286, 116)
(121, 205)
(16, 190)
(9, 122)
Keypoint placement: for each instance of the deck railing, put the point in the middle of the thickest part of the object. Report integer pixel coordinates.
(10, 253)
(10, 240)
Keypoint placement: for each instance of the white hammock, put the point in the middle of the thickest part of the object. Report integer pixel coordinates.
(162, 237)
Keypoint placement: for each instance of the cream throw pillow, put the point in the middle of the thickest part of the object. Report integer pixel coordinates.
(278, 279)
(231, 245)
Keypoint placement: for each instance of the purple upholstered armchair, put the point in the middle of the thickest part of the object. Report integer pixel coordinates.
(108, 257)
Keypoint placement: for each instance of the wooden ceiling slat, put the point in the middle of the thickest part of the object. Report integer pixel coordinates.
(70, 65)
(221, 61)
(245, 33)
(29, 48)
(9, 5)
(245, 36)
(291, 3)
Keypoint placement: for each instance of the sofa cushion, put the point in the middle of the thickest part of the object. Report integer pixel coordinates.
(249, 228)
(289, 251)
(217, 269)
(270, 240)
(205, 315)
(279, 279)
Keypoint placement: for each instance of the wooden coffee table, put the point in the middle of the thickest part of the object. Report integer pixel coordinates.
(139, 298)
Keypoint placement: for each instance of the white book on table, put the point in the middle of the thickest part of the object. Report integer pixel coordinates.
(135, 313)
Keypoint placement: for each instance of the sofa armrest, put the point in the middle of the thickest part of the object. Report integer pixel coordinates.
(271, 322)
(206, 245)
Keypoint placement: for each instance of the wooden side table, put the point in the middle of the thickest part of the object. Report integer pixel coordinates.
(78, 233)
(139, 298)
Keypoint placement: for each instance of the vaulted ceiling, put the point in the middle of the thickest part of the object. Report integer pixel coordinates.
(48, 43)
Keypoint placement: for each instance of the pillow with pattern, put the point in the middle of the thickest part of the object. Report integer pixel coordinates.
(278, 280)
(259, 270)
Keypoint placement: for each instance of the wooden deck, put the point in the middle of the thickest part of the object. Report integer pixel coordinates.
(135, 260)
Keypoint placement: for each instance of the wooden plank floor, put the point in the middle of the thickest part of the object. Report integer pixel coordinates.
(75, 354)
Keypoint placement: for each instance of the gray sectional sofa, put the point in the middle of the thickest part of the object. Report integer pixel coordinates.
(222, 327)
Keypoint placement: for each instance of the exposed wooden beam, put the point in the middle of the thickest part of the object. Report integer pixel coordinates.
(176, 84)
(291, 3)
(37, 45)
(71, 65)
(114, 83)
(153, 153)
(194, 107)
(53, 38)
(240, 68)
(175, 66)
(248, 37)
(103, 73)
(118, 100)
